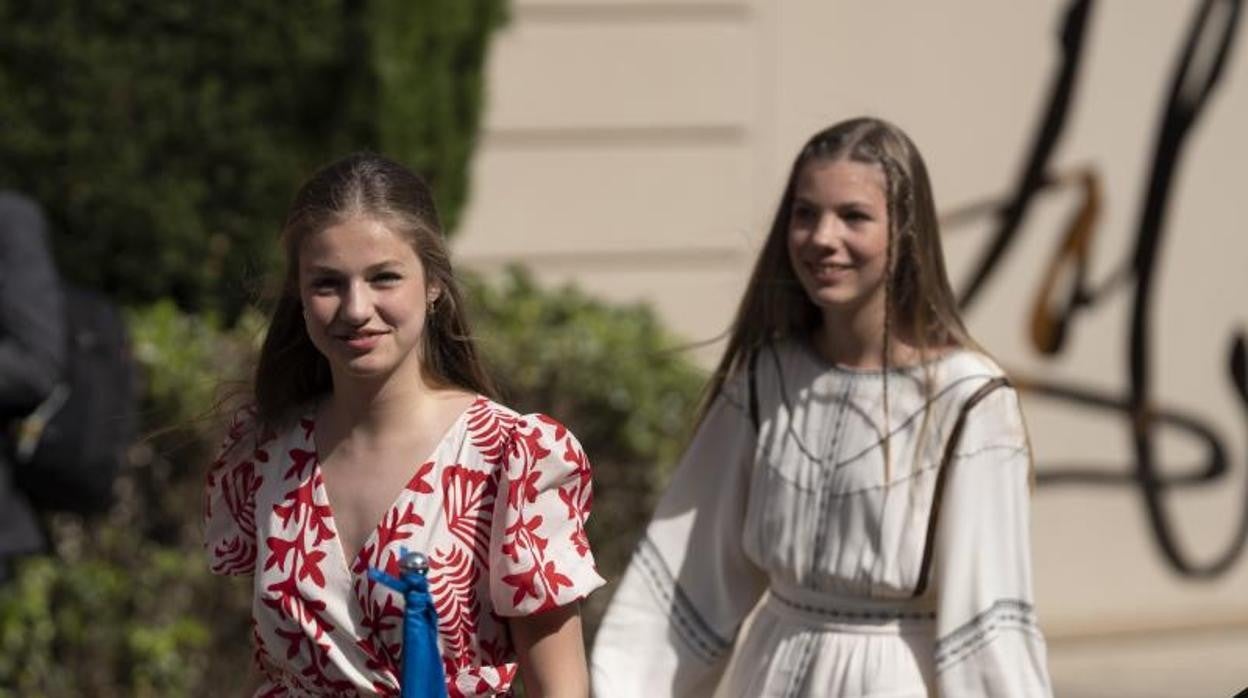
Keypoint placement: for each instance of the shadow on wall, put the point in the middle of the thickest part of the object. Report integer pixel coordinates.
(1066, 291)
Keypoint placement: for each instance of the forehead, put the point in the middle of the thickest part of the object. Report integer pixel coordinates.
(355, 241)
(841, 179)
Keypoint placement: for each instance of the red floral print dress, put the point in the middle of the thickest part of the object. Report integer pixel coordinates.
(499, 508)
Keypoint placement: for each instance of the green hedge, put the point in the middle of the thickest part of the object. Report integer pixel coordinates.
(165, 138)
(125, 606)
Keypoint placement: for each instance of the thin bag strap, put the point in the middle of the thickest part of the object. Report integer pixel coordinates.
(751, 374)
(942, 476)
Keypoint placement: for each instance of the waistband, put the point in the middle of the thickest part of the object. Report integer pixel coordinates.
(852, 612)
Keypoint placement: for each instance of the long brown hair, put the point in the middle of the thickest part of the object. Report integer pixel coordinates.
(291, 372)
(917, 293)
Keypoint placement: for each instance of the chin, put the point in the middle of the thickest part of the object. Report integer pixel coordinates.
(835, 298)
(365, 366)
(379, 364)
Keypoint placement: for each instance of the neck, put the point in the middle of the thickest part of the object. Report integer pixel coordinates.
(375, 404)
(855, 338)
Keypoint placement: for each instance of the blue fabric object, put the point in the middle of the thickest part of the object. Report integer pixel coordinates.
(422, 663)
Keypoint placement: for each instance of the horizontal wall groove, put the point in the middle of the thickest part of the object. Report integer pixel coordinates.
(578, 137)
(577, 13)
(641, 260)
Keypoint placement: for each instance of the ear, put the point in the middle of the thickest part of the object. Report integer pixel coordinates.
(432, 294)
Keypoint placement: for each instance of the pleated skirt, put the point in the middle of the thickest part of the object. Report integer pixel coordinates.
(802, 644)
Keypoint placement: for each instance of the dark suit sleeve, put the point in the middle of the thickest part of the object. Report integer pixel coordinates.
(32, 317)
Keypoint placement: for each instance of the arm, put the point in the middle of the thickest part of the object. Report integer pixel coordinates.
(988, 642)
(670, 626)
(551, 650)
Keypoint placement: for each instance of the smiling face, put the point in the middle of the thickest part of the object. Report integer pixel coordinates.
(365, 298)
(838, 235)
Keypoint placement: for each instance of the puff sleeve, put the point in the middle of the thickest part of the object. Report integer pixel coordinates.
(230, 497)
(539, 554)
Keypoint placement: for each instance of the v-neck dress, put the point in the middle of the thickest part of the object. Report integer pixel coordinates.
(786, 560)
(499, 507)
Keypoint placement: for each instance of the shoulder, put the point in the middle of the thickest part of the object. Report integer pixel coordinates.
(240, 426)
(962, 374)
(974, 383)
(245, 433)
(486, 416)
(735, 390)
(784, 352)
(246, 447)
(762, 369)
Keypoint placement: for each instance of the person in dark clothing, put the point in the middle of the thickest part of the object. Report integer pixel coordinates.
(32, 354)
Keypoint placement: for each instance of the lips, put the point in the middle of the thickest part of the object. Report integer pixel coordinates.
(828, 273)
(360, 341)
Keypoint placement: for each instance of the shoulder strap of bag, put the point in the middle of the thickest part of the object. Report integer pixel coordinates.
(942, 476)
(751, 371)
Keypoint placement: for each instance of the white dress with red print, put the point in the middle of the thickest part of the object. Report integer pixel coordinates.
(499, 507)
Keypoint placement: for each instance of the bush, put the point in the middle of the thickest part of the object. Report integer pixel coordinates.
(166, 138)
(125, 606)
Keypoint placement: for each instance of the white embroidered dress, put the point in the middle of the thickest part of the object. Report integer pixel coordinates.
(779, 564)
(500, 508)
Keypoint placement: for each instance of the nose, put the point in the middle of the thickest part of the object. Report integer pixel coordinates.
(357, 304)
(827, 232)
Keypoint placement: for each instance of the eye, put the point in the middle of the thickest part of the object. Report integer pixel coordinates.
(855, 216)
(386, 278)
(804, 213)
(323, 284)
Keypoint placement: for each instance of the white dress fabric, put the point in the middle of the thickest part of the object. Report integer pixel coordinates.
(499, 507)
(781, 563)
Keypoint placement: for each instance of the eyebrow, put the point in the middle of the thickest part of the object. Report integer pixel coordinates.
(371, 269)
(848, 204)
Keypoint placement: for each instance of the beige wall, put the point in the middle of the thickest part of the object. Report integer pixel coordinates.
(638, 149)
(623, 150)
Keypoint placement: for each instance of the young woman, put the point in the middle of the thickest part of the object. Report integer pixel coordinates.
(372, 432)
(851, 517)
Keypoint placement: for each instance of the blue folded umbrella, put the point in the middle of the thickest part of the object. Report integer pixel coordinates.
(422, 663)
